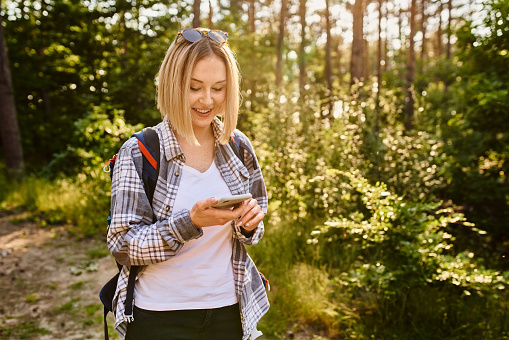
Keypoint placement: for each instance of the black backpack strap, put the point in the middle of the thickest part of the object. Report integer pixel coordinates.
(128, 313)
(148, 142)
(106, 311)
(106, 295)
(108, 291)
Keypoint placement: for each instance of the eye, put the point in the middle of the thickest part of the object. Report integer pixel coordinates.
(218, 89)
(194, 89)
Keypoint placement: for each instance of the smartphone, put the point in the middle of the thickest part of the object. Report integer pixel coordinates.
(230, 201)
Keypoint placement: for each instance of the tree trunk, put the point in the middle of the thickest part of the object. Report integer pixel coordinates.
(339, 69)
(280, 39)
(211, 15)
(449, 29)
(409, 121)
(328, 67)
(196, 13)
(439, 31)
(365, 58)
(11, 140)
(251, 16)
(357, 60)
(302, 51)
(423, 30)
(401, 36)
(378, 68)
(386, 64)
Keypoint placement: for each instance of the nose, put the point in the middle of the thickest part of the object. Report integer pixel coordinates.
(206, 98)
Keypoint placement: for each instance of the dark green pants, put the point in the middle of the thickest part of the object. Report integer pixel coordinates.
(202, 324)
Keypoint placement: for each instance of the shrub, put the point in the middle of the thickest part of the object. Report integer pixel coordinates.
(389, 252)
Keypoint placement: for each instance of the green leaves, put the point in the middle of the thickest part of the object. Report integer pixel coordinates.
(97, 137)
(400, 244)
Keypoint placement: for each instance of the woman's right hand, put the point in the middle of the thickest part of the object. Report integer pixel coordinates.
(204, 215)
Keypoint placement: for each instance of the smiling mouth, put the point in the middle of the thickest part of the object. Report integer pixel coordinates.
(203, 111)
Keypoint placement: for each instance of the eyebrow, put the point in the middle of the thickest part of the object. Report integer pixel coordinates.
(217, 82)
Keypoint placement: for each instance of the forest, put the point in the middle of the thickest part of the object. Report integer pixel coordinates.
(381, 126)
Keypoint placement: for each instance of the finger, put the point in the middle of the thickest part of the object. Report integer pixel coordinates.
(254, 222)
(248, 205)
(225, 215)
(251, 210)
(239, 208)
(206, 203)
(202, 215)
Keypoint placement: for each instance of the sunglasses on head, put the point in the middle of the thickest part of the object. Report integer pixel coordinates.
(194, 34)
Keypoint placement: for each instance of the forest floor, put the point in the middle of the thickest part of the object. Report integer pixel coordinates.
(50, 282)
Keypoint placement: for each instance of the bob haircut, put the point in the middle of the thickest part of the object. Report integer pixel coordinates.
(175, 81)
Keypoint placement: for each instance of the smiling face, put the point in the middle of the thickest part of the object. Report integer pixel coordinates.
(207, 92)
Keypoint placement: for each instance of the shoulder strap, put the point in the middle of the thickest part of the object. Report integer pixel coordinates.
(234, 143)
(148, 142)
(239, 148)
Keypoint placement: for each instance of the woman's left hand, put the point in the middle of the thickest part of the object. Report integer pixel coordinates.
(251, 215)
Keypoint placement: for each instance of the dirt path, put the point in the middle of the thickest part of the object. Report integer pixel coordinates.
(49, 282)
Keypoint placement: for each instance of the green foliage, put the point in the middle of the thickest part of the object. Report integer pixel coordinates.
(390, 255)
(411, 163)
(477, 135)
(97, 137)
(81, 204)
(69, 57)
(32, 298)
(389, 249)
(52, 47)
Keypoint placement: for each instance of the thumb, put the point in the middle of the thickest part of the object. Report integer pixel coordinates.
(209, 202)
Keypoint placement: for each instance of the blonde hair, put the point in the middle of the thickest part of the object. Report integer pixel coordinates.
(175, 82)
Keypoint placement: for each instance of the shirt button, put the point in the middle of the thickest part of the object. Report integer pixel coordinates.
(167, 208)
(177, 174)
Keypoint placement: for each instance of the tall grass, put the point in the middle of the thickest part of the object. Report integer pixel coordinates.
(302, 295)
(79, 203)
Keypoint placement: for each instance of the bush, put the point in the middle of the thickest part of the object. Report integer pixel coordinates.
(389, 253)
(73, 189)
(97, 137)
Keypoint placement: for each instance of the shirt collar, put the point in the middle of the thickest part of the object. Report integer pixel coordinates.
(171, 146)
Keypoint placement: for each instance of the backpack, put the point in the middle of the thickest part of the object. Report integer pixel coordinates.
(148, 142)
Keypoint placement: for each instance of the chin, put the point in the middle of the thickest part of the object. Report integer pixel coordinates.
(201, 122)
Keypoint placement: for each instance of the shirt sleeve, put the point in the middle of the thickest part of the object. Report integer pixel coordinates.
(133, 238)
(256, 188)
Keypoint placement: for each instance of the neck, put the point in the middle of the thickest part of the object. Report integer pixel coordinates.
(204, 135)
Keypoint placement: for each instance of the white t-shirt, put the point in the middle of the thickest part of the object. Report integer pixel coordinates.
(200, 276)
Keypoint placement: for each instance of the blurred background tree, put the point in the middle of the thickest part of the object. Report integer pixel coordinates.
(8, 118)
(381, 127)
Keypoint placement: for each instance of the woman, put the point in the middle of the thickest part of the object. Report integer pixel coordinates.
(196, 279)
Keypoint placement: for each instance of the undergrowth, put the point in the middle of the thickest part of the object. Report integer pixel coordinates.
(383, 268)
(80, 204)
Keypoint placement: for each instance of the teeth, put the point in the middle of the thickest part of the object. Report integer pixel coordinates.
(202, 111)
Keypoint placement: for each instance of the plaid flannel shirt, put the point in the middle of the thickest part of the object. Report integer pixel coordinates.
(134, 239)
